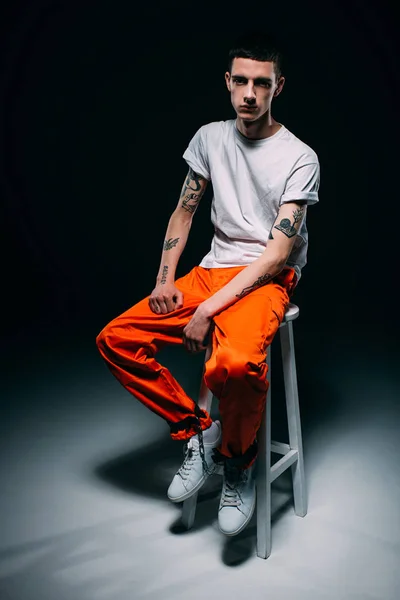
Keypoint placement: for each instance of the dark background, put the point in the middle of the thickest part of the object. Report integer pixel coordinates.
(98, 102)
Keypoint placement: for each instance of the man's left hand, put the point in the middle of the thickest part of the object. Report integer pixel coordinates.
(196, 331)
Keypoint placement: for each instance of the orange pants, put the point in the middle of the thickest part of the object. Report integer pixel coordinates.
(235, 372)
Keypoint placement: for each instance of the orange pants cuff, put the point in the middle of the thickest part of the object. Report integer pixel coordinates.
(185, 429)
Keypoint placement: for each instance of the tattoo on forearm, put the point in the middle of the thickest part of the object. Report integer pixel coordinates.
(258, 283)
(191, 202)
(285, 225)
(270, 237)
(164, 275)
(168, 244)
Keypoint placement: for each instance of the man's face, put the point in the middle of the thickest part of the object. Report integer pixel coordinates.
(253, 85)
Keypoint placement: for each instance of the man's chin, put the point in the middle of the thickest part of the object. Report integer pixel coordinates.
(247, 116)
(247, 112)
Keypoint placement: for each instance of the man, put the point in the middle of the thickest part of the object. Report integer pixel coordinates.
(263, 178)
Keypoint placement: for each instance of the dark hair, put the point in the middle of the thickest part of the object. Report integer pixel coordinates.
(257, 45)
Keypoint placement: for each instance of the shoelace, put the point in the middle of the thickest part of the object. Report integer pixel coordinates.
(201, 448)
(191, 453)
(231, 494)
(192, 450)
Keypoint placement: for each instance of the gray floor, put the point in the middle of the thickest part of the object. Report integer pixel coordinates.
(85, 468)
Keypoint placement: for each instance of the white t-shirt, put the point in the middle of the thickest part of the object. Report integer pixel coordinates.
(251, 179)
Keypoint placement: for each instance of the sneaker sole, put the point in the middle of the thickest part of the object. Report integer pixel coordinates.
(244, 524)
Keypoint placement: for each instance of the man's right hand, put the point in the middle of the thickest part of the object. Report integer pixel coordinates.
(165, 298)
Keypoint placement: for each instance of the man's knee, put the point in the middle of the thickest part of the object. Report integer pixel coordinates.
(230, 363)
(106, 339)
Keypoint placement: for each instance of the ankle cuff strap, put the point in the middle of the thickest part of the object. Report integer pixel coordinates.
(241, 461)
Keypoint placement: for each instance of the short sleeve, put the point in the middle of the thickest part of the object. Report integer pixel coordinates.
(303, 184)
(196, 155)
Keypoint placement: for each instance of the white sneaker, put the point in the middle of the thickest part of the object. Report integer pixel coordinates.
(238, 499)
(192, 474)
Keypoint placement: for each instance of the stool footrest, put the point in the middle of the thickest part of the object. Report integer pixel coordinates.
(283, 463)
(280, 448)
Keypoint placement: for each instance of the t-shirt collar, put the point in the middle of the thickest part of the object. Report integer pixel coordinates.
(259, 142)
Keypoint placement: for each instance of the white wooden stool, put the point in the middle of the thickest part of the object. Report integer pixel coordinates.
(292, 453)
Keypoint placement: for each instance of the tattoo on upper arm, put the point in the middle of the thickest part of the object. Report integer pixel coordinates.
(286, 226)
(168, 244)
(191, 202)
(193, 178)
(164, 274)
(258, 283)
(193, 186)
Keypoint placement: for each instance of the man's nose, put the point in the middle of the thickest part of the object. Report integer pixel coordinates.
(249, 93)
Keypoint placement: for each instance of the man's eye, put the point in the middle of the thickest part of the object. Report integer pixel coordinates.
(238, 81)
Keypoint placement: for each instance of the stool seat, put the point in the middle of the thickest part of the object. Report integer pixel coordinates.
(292, 312)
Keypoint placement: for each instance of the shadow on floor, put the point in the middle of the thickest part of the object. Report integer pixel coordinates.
(149, 472)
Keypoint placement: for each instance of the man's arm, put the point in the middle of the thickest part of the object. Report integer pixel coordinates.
(264, 268)
(179, 225)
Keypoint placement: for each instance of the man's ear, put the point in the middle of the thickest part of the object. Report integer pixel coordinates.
(228, 80)
(279, 88)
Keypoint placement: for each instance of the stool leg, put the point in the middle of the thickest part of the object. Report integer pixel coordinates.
(293, 414)
(205, 395)
(189, 511)
(263, 481)
(205, 401)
